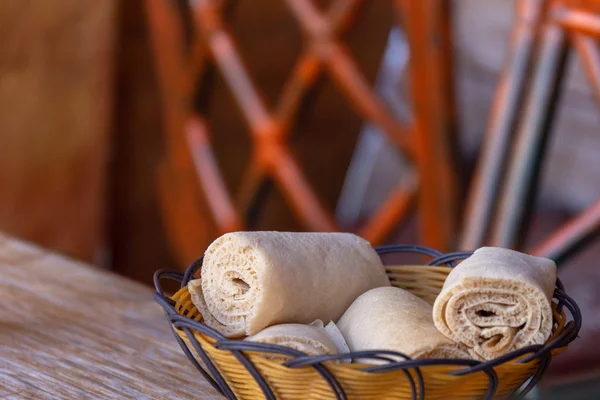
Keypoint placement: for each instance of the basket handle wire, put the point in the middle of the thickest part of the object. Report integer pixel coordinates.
(438, 258)
(191, 271)
(450, 258)
(165, 274)
(408, 248)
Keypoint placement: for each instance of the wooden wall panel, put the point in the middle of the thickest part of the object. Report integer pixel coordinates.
(136, 228)
(55, 104)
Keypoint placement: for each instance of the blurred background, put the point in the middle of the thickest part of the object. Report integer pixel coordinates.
(134, 133)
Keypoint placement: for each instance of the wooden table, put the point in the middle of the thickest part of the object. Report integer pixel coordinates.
(70, 331)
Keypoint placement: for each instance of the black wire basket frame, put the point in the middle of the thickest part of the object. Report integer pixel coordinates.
(298, 359)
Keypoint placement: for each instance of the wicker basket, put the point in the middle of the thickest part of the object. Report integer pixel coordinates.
(239, 369)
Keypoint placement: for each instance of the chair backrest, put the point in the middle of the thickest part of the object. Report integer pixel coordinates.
(503, 190)
(426, 140)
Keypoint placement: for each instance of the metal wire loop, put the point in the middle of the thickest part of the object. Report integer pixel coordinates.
(191, 271)
(449, 258)
(408, 248)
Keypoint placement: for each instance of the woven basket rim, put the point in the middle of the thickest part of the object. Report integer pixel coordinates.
(297, 359)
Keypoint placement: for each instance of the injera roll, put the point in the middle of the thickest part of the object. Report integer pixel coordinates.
(391, 318)
(312, 340)
(251, 280)
(497, 301)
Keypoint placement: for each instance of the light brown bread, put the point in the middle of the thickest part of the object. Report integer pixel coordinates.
(394, 319)
(251, 280)
(496, 301)
(312, 340)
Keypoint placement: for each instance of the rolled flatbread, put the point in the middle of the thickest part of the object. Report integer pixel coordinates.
(391, 318)
(251, 280)
(308, 339)
(497, 301)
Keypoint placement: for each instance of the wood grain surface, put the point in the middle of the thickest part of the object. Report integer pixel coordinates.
(69, 331)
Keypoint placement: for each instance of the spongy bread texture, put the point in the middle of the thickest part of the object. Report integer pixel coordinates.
(308, 339)
(496, 301)
(251, 280)
(391, 318)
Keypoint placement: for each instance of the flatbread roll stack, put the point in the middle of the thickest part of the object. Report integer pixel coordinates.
(497, 301)
(391, 318)
(252, 280)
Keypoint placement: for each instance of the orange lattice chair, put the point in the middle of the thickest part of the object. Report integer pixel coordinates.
(191, 174)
